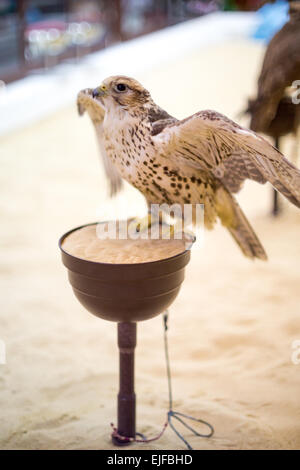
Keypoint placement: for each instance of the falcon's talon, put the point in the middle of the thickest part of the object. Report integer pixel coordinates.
(140, 224)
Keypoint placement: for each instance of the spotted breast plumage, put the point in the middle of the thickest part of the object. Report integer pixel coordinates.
(204, 158)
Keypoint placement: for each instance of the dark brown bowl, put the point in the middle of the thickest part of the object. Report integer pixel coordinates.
(125, 292)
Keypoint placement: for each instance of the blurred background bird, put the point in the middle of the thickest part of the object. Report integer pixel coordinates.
(204, 158)
(273, 111)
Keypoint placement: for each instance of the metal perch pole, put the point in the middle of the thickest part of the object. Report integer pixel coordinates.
(126, 396)
(276, 203)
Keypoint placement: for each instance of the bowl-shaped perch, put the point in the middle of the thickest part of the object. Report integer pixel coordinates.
(125, 292)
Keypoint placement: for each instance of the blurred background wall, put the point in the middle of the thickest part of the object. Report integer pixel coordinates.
(37, 34)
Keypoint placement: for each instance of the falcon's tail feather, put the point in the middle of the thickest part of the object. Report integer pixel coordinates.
(234, 219)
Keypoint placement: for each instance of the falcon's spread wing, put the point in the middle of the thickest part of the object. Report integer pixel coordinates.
(210, 141)
(85, 102)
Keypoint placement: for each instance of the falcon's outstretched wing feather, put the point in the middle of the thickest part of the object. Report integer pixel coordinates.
(210, 141)
(85, 102)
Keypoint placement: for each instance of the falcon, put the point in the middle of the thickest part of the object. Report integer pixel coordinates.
(203, 159)
(272, 111)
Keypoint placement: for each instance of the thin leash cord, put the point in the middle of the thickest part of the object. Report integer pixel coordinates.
(176, 414)
(171, 414)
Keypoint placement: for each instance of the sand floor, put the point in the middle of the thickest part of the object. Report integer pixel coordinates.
(231, 328)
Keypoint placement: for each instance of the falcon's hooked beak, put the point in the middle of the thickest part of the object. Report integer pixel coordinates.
(99, 91)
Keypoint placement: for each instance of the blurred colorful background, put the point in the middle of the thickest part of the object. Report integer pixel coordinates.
(39, 33)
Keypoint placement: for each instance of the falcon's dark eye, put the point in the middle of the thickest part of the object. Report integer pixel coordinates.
(121, 87)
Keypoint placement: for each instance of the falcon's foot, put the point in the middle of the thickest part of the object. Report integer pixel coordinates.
(142, 224)
(157, 228)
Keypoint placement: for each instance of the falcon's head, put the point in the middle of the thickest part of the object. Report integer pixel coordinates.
(121, 91)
